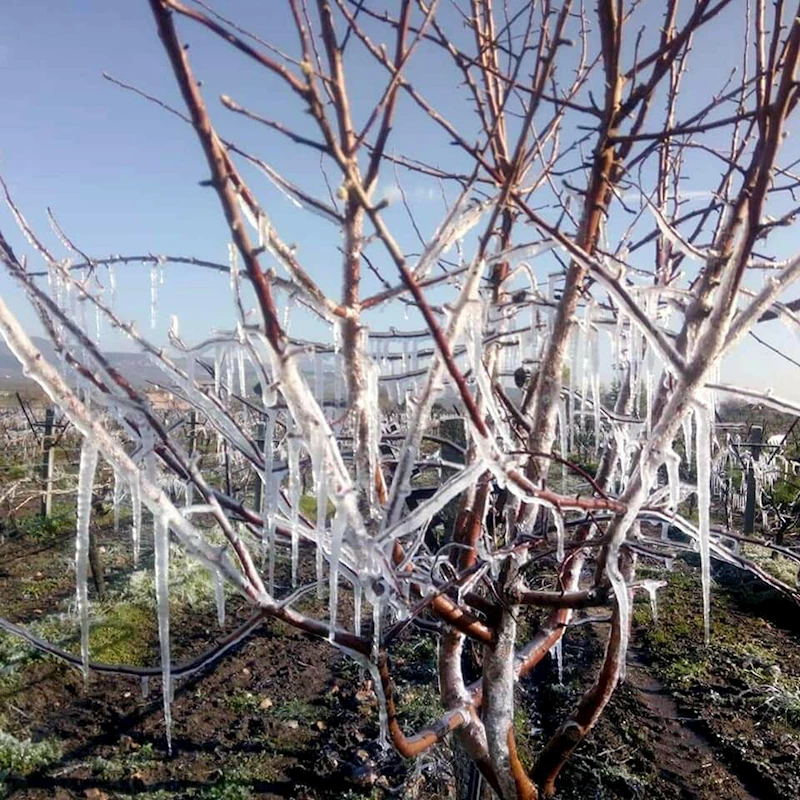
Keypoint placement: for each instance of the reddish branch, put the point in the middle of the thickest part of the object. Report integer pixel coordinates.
(225, 177)
(411, 746)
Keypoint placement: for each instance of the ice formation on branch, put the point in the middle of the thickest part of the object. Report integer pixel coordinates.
(86, 471)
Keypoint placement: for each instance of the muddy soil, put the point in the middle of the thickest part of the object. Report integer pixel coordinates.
(284, 716)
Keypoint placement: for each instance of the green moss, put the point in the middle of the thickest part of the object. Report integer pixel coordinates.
(523, 735)
(308, 507)
(784, 492)
(123, 635)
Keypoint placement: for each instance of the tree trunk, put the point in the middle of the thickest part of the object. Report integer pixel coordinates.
(96, 563)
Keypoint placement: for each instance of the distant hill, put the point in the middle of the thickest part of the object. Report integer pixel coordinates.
(135, 366)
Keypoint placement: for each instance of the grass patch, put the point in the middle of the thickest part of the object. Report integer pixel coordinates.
(242, 700)
(45, 529)
(300, 710)
(418, 706)
(190, 584)
(16, 652)
(124, 765)
(780, 567)
(21, 757)
(739, 659)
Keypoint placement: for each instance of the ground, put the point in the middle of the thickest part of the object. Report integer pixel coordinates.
(285, 716)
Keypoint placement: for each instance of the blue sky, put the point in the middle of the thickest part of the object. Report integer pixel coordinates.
(122, 176)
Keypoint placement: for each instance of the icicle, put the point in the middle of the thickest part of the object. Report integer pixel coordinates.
(294, 488)
(648, 389)
(563, 422)
(84, 324)
(595, 380)
(374, 431)
(338, 525)
(136, 507)
(219, 597)
(357, 599)
(621, 358)
(145, 687)
(620, 588)
(112, 281)
(572, 344)
(229, 372)
(233, 261)
(268, 498)
(551, 296)
(557, 652)
(561, 413)
(320, 487)
(69, 299)
(319, 386)
(377, 616)
(337, 338)
(88, 466)
(559, 523)
(673, 463)
(153, 293)
(161, 547)
(383, 721)
(241, 369)
(291, 302)
(651, 587)
(117, 499)
(686, 423)
(585, 347)
(219, 354)
(703, 507)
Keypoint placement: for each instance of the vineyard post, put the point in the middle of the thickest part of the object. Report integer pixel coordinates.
(46, 469)
(192, 451)
(261, 429)
(750, 505)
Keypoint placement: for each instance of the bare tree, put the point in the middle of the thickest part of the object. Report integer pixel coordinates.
(562, 155)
